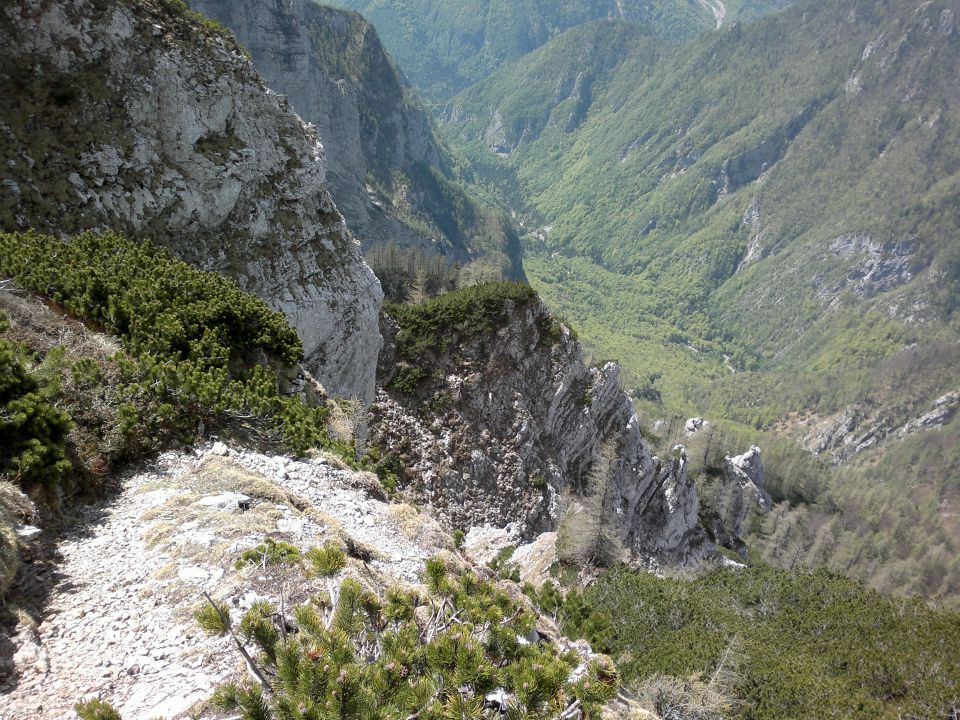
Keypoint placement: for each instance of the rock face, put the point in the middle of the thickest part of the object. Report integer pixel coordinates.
(859, 427)
(738, 490)
(512, 419)
(747, 471)
(388, 173)
(135, 117)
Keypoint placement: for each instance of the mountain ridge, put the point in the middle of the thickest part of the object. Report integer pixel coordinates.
(389, 174)
(447, 45)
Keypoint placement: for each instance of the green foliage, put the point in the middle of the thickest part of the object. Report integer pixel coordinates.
(458, 538)
(270, 552)
(412, 656)
(326, 560)
(156, 304)
(249, 701)
(810, 644)
(213, 618)
(96, 710)
(438, 324)
(406, 379)
(198, 349)
(385, 465)
(503, 566)
(33, 432)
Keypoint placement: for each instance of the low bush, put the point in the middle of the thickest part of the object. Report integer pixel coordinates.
(807, 644)
(454, 652)
(198, 351)
(33, 432)
(437, 324)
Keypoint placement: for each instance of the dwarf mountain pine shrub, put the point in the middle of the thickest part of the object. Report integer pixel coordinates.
(197, 348)
(270, 552)
(457, 651)
(96, 710)
(33, 431)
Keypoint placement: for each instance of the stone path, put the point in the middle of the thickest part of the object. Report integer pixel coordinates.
(117, 624)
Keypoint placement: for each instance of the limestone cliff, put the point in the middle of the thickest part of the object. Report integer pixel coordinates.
(141, 117)
(389, 174)
(506, 420)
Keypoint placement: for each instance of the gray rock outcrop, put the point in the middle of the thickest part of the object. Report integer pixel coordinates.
(738, 491)
(133, 116)
(513, 420)
(746, 471)
(842, 436)
(388, 173)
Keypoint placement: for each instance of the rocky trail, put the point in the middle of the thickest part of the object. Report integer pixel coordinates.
(116, 622)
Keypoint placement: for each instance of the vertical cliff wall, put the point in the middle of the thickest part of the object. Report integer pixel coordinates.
(493, 417)
(141, 117)
(390, 176)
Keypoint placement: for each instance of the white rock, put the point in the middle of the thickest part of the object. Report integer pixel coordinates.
(193, 574)
(224, 502)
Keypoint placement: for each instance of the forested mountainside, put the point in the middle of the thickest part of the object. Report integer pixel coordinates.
(389, 174)
(445, 46)
(191, 525)
(801, 221)
(761, 225)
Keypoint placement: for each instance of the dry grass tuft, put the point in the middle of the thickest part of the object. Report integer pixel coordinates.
(220, 474)
(420, 527)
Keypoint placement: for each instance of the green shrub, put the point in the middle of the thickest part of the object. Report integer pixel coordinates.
(438, 324)
(198, 349)
(96, 710)
(406, 379)
(155, 303)
(33, 432)
(809, 644)
(503, 565)
(364, 656)
(270, 552)
(327, 560)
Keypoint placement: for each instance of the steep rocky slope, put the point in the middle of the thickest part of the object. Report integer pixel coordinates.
(500, 421)
(134, 117)
(389, 175)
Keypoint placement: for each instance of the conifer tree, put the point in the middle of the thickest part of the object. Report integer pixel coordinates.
(587, 535)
